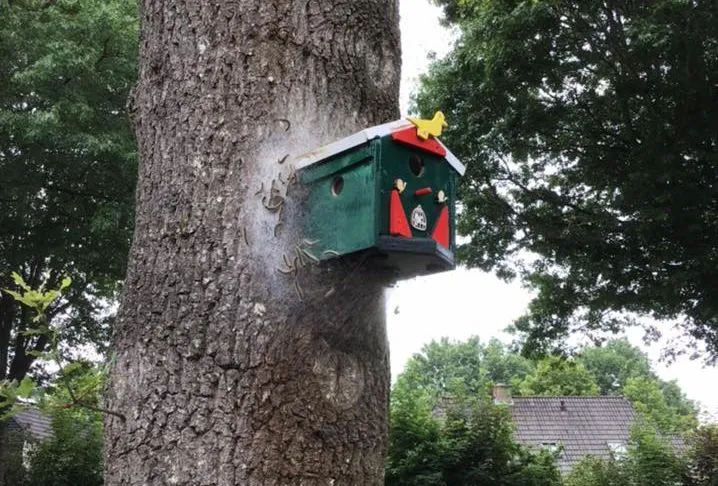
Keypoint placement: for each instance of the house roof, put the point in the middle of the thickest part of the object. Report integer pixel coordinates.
(359, 138)
(33, 421)
(582, 426)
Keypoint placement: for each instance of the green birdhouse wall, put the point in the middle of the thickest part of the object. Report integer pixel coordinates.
(357, 185)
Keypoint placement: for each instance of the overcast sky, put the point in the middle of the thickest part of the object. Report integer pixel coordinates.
(464, 302)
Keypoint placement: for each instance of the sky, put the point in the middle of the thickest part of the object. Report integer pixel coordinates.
(464, 303)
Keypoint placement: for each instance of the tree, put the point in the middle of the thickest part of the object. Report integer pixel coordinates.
(649, 402)
(67, 165)
(444, 429)
(620, 368)
(73, 455)
(504, 365)
(589, 129)
(454, 368)
(556, 376)
(703, 453)
(452, 379)
(469, 367)
(649, 461)
(613, 364)
(470, 442)
(442, 365)
(414, 450)
(225, 370)
(67, 158)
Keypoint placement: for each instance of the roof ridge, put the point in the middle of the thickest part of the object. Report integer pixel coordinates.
(349, 142)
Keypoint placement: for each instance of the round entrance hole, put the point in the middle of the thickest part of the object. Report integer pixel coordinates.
(337, 185)
(416, 165)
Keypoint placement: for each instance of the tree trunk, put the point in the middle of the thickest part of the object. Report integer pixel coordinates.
(226, 370)
(6, 316)
(4, 452)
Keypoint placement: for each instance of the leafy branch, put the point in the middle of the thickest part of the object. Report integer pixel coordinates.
(40, 301)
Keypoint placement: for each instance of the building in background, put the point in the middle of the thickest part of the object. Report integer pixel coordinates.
(26, 429)
(570, 427)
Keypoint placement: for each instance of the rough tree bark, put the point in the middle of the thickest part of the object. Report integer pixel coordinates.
(226, 370)
(5, 323)
(4, 453)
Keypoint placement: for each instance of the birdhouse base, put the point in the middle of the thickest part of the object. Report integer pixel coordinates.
(415, 256)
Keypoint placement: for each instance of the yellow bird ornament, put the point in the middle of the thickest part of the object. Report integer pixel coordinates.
(433, 127)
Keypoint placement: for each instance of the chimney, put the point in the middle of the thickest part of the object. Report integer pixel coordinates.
(502, 394)
(563, 406)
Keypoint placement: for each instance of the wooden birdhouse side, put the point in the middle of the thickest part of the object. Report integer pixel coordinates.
(384, 190)
(342, 205)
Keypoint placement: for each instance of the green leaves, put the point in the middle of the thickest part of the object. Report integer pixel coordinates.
(444, 430)
(703, 452)
(649, 401)
(589, 129)
(81, 380)
(463, 441)
(650, 461)
(37, 300)
(10, 392)
(68, 165)
(73, 455)
(556, 376)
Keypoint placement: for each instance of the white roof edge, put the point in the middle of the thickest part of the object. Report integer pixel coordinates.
(334, 148)
(347, 143)
(453, 160)
(387, 128)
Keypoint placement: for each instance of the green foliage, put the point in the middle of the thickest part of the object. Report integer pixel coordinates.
(653, 460)
(37, 301)
(505, 366)
(620, 368)
(440, 364)
(68, 164)
(650, 461)
(592, 471)
(589, 130)
(703, 453)
(79, 384)
(468, 368)
(81, 380)
(73, 456)
(15, 472)
(556, 376)
(413, 439)
(677, 400)
(613, 364)
(649, 402)
(470, 442)
(445, 431)
(10, 392)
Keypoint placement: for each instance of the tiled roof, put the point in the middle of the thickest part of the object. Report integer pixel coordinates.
(582, 426)
(32, 420)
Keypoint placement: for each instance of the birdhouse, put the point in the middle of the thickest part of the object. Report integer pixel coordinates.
(389, 189)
